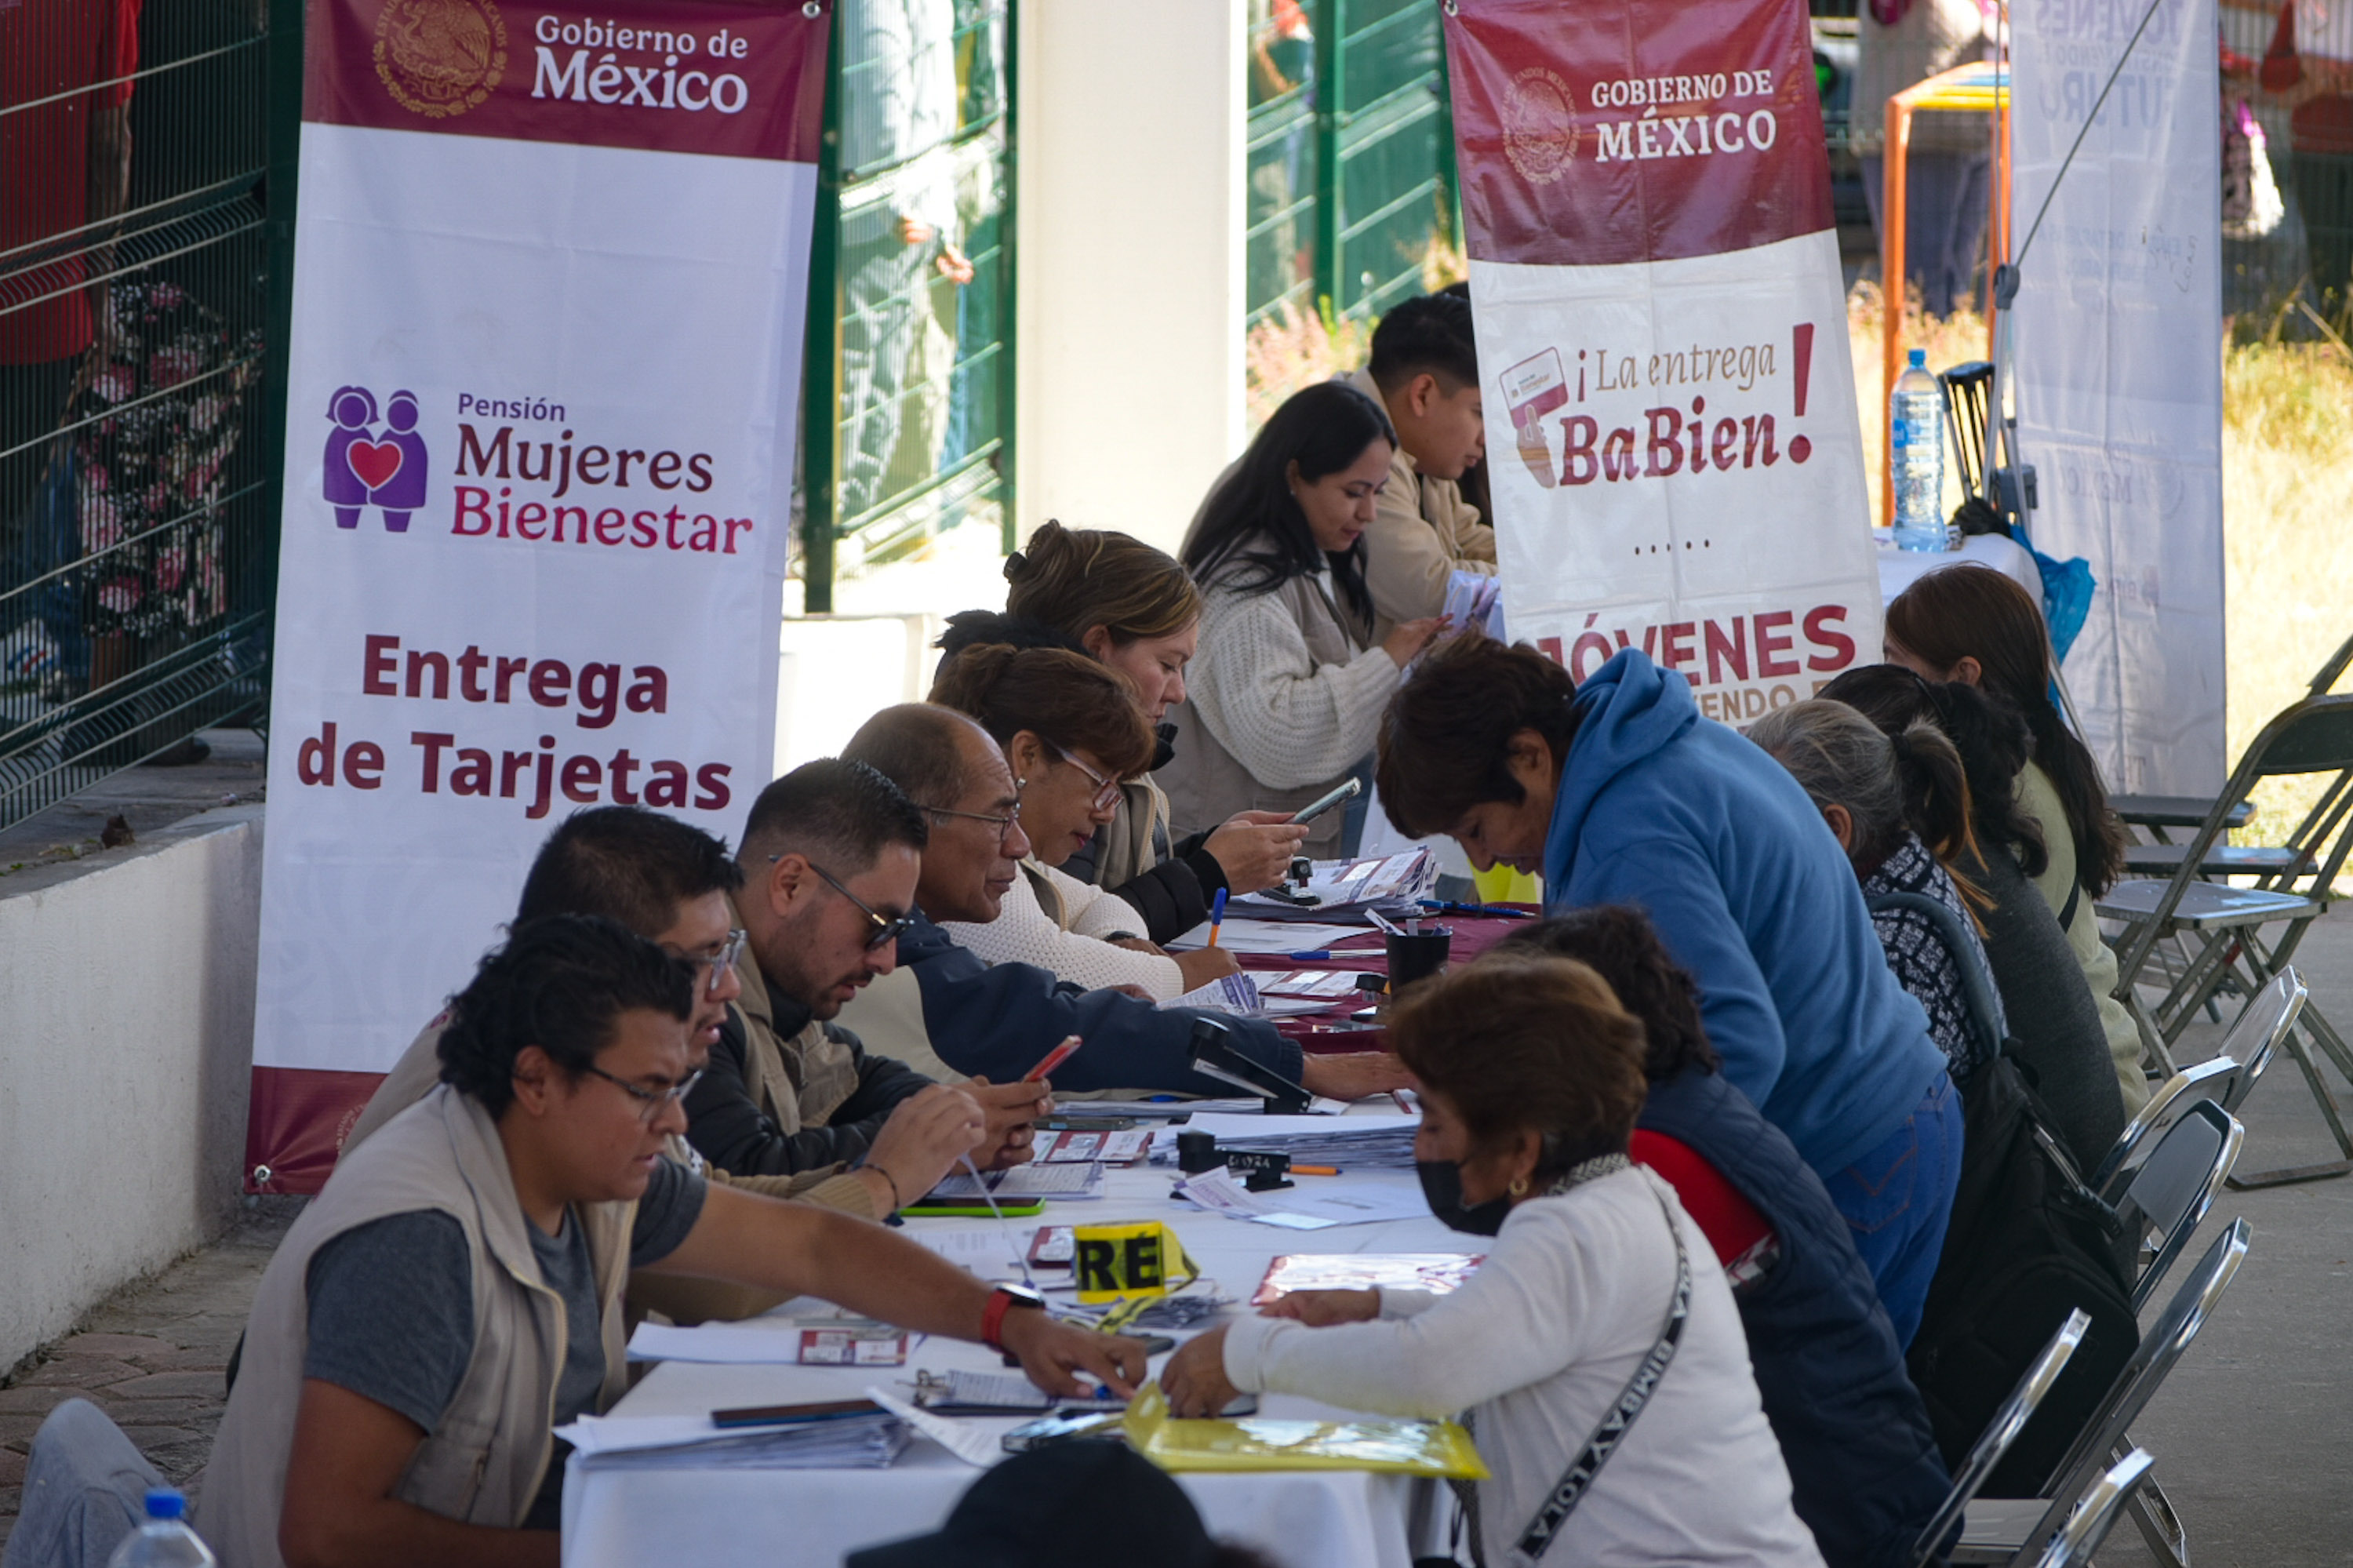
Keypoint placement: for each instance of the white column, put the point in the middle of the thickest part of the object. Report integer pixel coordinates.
(1128, 228)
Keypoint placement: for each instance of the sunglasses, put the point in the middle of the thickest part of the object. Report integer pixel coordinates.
(886, 929)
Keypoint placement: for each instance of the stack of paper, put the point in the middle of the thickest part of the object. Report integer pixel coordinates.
(1076, 1180)
(1238, 994)
(1122, 1148)
(1435, 1272)
(1277, 936)
(864, 1442)
(1299, 1207)
(1341, 890)
(1371, 1142)
(1329, 988)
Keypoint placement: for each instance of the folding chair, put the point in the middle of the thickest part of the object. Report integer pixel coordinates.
(2254, 1038)
(2167, 1105)
(1999, 1433)
(2087, 1528)
(2016, 1529)
(2159, 813)
(2313, 736)
(2169, 1195)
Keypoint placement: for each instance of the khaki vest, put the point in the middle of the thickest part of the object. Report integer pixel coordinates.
(1206, 785)
(483, 1462)
(1128, 847)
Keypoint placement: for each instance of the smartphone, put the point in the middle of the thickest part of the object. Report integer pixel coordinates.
(1349, 788)
(1065, 1426)
(1058, 1055)
(794, 1414)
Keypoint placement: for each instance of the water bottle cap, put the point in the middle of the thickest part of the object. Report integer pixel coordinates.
(1919, 359)
(162, 1502)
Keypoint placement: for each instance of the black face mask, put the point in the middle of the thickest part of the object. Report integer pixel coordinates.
(1442, 1187)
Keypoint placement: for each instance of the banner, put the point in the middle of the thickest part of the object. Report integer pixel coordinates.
(550, 279)
(2118, 382)
(1672, 444)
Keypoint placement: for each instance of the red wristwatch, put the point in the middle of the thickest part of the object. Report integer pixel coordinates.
(1001, 1301)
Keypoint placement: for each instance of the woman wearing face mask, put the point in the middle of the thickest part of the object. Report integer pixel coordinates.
(1126, 605)
(1289, 690)
(1071, 730)
(1531, 1075)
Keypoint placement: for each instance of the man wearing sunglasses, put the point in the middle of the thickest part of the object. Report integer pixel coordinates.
(946, 1013)
(829, 856)
(671, 882)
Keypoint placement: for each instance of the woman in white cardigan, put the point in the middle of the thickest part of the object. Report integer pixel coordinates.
(1531, 1076)
(1288, 691)
(1071, 730)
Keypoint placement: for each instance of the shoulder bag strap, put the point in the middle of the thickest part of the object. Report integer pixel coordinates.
(1578, 1479)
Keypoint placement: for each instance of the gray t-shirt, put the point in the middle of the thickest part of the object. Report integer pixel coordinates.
(391, 1309)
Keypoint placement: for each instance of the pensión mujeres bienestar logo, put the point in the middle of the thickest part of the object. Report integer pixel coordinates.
(364, 469)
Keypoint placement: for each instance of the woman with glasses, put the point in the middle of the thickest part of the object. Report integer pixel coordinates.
(1291, 685)
(1126, 605)
(1071, 732)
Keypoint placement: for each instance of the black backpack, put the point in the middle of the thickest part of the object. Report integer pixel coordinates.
(2027, 1244)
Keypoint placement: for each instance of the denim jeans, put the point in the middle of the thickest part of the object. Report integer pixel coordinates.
(85, 1489)
(1897, 1200)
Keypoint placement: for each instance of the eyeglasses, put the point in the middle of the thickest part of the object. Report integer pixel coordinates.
(651, 1103)
(887, 928)
(1107, 790)
(1004, 824)
(721, 963)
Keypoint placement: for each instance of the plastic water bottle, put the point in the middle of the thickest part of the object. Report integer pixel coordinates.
(1915, 415)
(164, 1541)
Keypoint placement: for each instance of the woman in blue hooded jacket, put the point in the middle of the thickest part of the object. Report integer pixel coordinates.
(1621, 792)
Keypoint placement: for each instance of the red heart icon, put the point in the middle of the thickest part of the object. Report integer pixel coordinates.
(374, 462)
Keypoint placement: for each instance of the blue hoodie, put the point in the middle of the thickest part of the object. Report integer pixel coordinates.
(1681, 817)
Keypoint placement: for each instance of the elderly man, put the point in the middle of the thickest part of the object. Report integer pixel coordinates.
(947, 1012)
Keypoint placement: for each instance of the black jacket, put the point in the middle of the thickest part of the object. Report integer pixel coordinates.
(998, 1021)
(737, 1136)
(1864, 1467)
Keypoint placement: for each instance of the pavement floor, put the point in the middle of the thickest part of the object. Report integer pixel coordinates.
(2243, 1433)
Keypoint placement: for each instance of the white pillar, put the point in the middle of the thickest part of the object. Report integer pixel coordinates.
(1129, 258)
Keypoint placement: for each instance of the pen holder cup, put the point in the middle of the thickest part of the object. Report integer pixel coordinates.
(1417, 955)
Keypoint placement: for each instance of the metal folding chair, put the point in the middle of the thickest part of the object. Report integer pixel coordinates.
(2223, 926)
(2016, 1530)
(2200, 1080)
(2254, 1038)
(1999, 1433)
(2087, 1528)
(2169, 1195)
(2159, 813)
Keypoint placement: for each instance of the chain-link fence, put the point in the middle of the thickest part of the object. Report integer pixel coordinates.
(139, 447)
(907, 407)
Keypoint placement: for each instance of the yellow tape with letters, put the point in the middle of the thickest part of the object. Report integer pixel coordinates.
(1138, 1262)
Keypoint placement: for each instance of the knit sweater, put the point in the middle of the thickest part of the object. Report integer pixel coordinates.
(1292, 722)
(1070, 941)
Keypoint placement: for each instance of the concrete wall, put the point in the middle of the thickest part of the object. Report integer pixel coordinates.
(1128, 260)
(126, 1036)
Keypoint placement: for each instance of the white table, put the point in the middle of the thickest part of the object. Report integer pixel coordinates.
(1899, 569)
(620, 1518)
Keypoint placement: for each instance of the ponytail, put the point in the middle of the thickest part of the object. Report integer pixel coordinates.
(1936, 802)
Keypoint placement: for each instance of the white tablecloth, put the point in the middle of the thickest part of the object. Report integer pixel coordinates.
(617, 1519)
(1899, 569)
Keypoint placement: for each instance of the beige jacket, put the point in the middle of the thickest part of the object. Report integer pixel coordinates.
(483, 1463)
(1423, 532)
(2039, 799)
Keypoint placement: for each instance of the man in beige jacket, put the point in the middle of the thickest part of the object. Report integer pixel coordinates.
(1425, 372)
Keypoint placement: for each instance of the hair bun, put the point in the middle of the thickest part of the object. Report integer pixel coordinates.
(1015, 565)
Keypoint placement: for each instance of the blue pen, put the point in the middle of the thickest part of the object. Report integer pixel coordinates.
(1217, 914)
(1304, 957)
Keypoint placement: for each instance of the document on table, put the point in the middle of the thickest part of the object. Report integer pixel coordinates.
(693, 1443)
(1276, 936)
(775, 1339)
(1299, 1207)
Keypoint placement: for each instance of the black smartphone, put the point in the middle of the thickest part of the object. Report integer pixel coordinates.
(794, 1414)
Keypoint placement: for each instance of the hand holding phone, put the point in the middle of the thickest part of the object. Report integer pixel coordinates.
(1349, 788)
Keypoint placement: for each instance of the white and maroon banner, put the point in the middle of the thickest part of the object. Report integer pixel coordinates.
(550, 275)
(1674, 453)
(2119, 368)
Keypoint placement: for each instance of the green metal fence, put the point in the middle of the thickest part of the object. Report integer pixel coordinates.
(147, 186)
(1351, 154)
(907, 406)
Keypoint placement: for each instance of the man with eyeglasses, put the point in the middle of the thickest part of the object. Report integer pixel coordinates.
(946, 1012)
(454, 1293)
(829, 856)
(671, 882)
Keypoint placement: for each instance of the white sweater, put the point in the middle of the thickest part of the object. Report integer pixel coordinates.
(1073, 948)
(1538, 1345)
(1261, 693)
